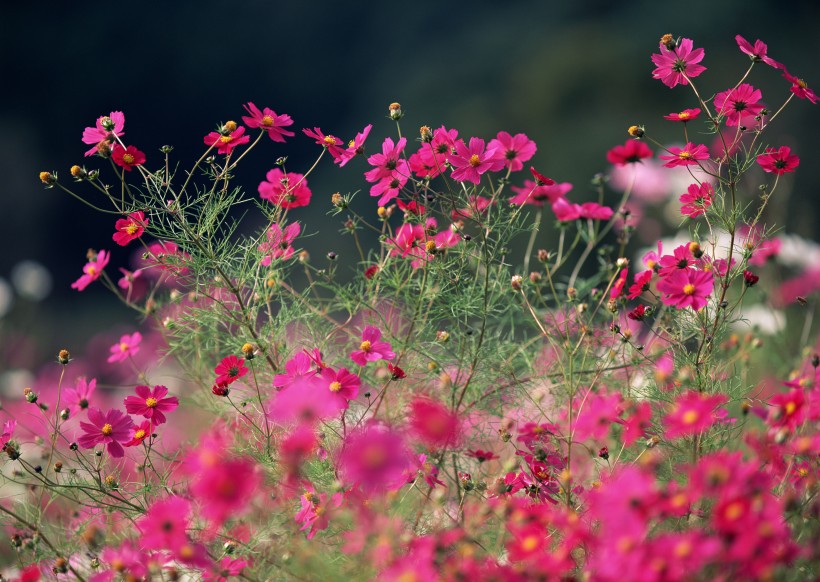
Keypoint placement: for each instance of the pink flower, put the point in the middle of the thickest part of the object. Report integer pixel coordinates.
(631, 152)
(594, 211)
(285, 190)
(268, 120)
(693, 413)
(228, 568)
(738, 103)
(93, 269)
(799, 87)
(107, 127)
(330, 142)
(476, 206)
(673, 66)
(305, 401)
(299, 366)
(130, 228)
(164, 527)
(687, 156)
(226, 141)
(512, 151)
(469, 163)
(128, 157)
(355, 147)
(684, 116)
(342, 385)
(618, 285)
(681, 258)
(78, 398)
(8, 432)
(566, 211)
(278, 245)
(778, 161)
(787, 410)
(140, 433)
(434, 424)
(125, 348)
(686, 288)
(386, 162)
(757, 52)
(640, 284)
(229, 370)
(152, 404)
(371, 349)
(314, 515)
(389, 187)
(110, 429)
(431, 158)
(696, 199)
(537, 195)
(375, 458)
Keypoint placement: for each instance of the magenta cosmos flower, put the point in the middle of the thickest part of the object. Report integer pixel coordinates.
(799, 87)
(538, 194)
(371, 349)
(469, 163)
(106, 128)
(332, 143)
(268, 120)
(738, 103)
(229, 370)
(684, 116)
(696, 199)
(342, 385)
(512, 151)
(757, 52)
(92, 270)
(631, 152)
(151, 403)
(385, 163)
(127, 157)
(375, 458)
(77, 399)
(686, 288)
(692, 414)
(278, 245)
(110, 429)
(778, 161)
(673, 66)
(130, 228)
(125, 348)
(355, 147)
(285, 190)
(226, 141)
(688, 156)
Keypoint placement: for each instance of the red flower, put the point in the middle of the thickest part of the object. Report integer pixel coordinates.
(130, 228)
(673, 66)
(139, 434)
(434, 423)
(268, 120)
(684, 116)
(631, 152)
(110, 429)
(396, 373)
(229, 370)
(687, 156)
(640, 283)
(226, 141)
(128, 157)
(696, 199)
(540, 179)
(151, 403)
(638, 313)
(285, 190)
(778, 161)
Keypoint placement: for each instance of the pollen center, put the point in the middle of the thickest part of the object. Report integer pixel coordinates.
(689, 289)
(790, 408)
(132, 227)
(529, 543)
(107, 429)
(267, 121)
(475, 160)
(226, 139)
(140, 434)
(128, 158)
(685, 156)
(690, 417)
(683, 115)
(123, 347)
(329, 140)
(335, 386)
(365, 347)
(150, 402)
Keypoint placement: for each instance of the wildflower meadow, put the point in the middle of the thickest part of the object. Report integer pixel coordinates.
(455, 399)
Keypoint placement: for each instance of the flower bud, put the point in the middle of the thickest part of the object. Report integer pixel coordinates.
(64, 357)
(220, 389)
(604, 453)
(669, 41)
(516, 282)
(426, 134)
(430, 247)
(248, 351)
(442, 336)
(636, 131)
(58, 467)
(229, 127)
(543, 255)
(695, 249)
(535, 277)
(572, 293)
(395, 111)
(30, 395)
(65, 413)
(104, 149)
(111, 482)
(338, 200)
(48, 178)
(750, 279)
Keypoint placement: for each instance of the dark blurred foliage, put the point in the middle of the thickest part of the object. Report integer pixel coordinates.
(572, 75)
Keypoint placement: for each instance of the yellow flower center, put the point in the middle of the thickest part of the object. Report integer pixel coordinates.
(226, 139)
(123, 347)
(92, 270)
(790, 408)
(132, 227)
(128, 158)
(351, 143)
(802, 84)
(733, 511)
(329, 140)
(683, 548)
(107, 429)
(267, 121)
(335, 386)
(475, 160)
(140, 434)
(365, 347)
(690, 417)
(529, 543)
(689, 289)
(683, 115)
(150, 402)
(685, 156)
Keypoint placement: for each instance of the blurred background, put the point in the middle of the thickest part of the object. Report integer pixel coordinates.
(572, 75)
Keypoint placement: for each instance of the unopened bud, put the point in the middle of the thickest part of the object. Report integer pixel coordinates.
(572, 293)
(48, 178)
(247, 351)
(229, 127)
(668, 41)
(78, 172)
(543, 255)
(535, 277)
(395, 111)
(64, 357)
(442, 336)
(426, 134)
(635, 131)
(695, 249)
(517, 282)
(338, 200)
